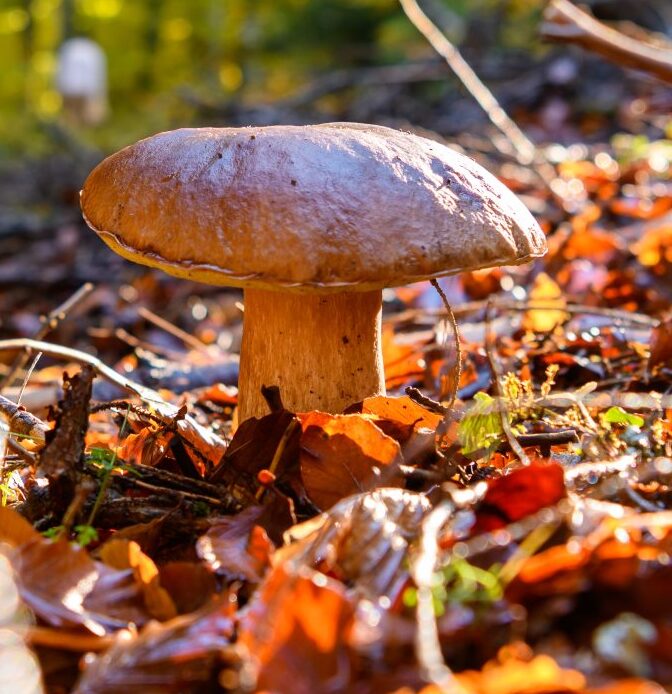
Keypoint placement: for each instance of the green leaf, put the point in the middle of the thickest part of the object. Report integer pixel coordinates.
(617, 415)
(85, 534)
(482, 425)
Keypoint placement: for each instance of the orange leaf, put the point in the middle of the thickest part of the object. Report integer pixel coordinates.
(547, 292)
(297, 628)
(125, 554)
(15, 530)
(401, 409)
(343, 454)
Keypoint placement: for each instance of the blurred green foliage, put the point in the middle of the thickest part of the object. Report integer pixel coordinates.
(165, 56)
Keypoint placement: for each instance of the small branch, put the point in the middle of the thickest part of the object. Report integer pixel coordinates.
(171, 329)
(427, 642)
(496, 387)
(564, 22)
(521, 147)
(20, 450)
(426, 402)
(188, 427)
(546, 439)
(22, 422)
(450, 318)
(627, 317)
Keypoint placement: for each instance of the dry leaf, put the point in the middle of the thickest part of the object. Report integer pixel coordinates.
(187, 655)
(126, 554)
(547, 292)
(297, 628)
(235, 547)
(342, 455)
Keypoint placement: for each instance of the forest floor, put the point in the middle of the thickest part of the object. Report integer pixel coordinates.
(521, 538)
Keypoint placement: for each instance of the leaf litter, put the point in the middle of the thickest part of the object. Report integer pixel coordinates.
(166, 550)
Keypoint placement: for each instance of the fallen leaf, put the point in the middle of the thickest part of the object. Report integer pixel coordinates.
(126, 554)
(547, 292)
(236, 547)
(363, 541)
(520, 493)
(401, 409)
(660, 346)
(187, 655)
(342, 455)
(64, 586)
(296, 629)
(254, 447)
(190, 585)
(404, 363)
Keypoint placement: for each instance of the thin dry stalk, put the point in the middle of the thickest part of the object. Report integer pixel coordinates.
(497, 388)
(567, 23)
(189, 428)
(521, 146)
(457, 369)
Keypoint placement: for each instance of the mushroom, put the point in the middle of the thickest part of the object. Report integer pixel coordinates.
(313, 222)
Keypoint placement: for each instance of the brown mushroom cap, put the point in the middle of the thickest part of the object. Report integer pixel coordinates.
(328, 207)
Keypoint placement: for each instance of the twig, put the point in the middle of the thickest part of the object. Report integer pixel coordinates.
(18, 448)
(178, 493)
(189, 428)
(627, 317)
(49, 323)
(84, 488)
(458, 347)
(22, 422)
(171, 329)
(547, 439)
(565, 22)
(638, 499)
(426, 402)
(522, 148)
(27, 375)
(279, 452)
(496, 387)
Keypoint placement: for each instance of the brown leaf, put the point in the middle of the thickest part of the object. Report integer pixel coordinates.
(147, 447)
(297, 628)
(65, 587)
(190, 585)
(363, 541)
(125, 554)
(661, 346)
(342, 455)
(184, 656)
(253, 448)
(628, 686)
(236, 547)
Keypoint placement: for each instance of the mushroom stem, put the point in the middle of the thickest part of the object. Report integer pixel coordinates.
(322, 350)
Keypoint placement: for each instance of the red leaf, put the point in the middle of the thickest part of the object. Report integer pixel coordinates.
(520, 493)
